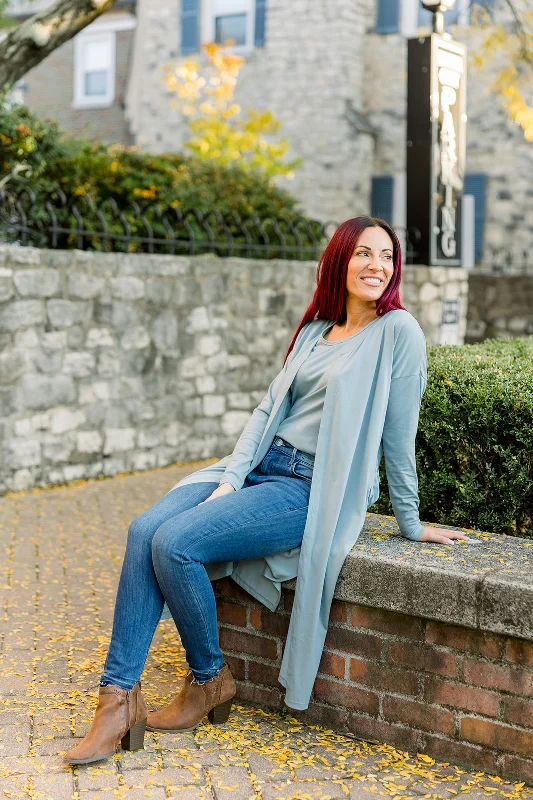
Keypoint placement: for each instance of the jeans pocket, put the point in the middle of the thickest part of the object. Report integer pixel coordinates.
(302, 470)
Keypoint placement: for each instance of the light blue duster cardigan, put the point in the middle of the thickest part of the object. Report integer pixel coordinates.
(371, 408)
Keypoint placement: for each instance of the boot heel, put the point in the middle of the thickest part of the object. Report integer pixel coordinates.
(133, 739)
(220, 713)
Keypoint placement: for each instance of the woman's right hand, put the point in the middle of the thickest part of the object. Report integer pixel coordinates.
(220, 491)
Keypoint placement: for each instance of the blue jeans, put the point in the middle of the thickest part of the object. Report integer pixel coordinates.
(169, 544)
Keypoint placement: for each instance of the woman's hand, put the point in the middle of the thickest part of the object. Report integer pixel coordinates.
(442, 535)
(220, 491)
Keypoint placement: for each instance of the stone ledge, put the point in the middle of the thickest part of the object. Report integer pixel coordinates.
(486, 586)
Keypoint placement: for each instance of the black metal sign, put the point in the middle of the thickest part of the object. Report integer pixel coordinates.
(436, 142)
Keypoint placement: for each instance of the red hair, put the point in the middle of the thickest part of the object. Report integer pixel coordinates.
(329, 299)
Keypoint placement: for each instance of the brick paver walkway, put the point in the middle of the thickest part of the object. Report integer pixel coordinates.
(62, 551)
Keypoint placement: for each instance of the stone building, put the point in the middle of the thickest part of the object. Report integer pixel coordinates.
(334, 73)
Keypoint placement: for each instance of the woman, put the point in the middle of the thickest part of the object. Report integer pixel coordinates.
(291, 499)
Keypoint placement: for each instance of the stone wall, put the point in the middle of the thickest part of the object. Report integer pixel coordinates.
(499, 306)
(113, 362)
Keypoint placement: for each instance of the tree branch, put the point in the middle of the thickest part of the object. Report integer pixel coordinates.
(35, 38)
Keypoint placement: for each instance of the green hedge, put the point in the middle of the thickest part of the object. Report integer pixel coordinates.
(54, 160)
(475, 438)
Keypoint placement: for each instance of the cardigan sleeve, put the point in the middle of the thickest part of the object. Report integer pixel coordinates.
(408, 383)
(248, 442)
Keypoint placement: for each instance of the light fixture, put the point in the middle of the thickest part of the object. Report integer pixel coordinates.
(439, 8)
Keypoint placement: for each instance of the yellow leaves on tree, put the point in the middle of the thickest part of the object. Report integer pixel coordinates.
(511, 43)
(220, 131)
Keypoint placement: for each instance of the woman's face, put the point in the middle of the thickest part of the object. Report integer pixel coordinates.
(371, 265)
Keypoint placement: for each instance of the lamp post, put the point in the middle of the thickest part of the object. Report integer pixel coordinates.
(436, 139)
(438, 7)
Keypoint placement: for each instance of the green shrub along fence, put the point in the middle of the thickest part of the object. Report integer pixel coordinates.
(475, 438)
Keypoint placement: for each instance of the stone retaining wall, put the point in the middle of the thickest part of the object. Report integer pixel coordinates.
(499, 306)
(112, 362)
(429, 655)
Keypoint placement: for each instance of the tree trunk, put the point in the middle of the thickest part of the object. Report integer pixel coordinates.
(35, 38)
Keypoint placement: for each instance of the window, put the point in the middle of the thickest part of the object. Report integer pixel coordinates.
(242, 21)
(388, 16)
(231, 26)
(94, 69)
(94, 60)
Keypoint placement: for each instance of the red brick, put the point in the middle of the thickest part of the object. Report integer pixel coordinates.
(350, 641)
(457, 695)
(496, 676)
(240, 642)
(231, 590)
(259, 695)
(231, 613)
(498, 736)
(378, 619)
(468, 755)
(326, 716)
(237, 667)
(341, 694)
(380, 676)
(263, 674)
(270, 622)
(418, 715)
(288, 599)
(370, 728)
(339, 612)
(466, 639)
(519, 651)
(424, 658)
(518, 711)
(332, 664)
(515, 768)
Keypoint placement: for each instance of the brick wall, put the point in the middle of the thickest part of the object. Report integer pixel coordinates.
(50, 93)
(455, 693)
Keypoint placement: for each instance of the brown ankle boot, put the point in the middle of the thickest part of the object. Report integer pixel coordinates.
(120, 717)
(195, 701)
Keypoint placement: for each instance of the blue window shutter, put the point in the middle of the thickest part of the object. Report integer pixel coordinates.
(382, 197)
(476, 184)
(388, 17)
(189, 26)
(260, 15)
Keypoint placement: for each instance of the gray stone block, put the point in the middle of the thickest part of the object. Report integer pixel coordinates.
(85, 286)
(22, 453)
(165, 332)
(21, 314)
(41, 391)
(12, 365)
(41, 282)
(64, 313)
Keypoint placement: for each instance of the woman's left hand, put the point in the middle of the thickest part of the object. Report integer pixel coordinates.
(441, 535)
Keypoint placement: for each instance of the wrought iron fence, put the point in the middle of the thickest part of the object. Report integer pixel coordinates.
(60, 222)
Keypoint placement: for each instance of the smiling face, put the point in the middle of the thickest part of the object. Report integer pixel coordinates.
(370, 267)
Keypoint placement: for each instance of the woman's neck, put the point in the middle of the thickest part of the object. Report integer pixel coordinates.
(358, 315)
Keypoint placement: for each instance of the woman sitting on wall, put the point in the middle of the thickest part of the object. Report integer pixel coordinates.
(291, 499)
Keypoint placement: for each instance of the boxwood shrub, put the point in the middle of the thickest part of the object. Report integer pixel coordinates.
(475, 438)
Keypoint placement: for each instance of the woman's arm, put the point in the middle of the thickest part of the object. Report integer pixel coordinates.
(408, 383)
(399, 434)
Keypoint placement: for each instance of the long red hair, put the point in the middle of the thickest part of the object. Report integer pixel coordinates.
(329, 299)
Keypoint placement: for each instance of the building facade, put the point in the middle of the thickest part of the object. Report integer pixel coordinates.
(82, 85)
(334, 73)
